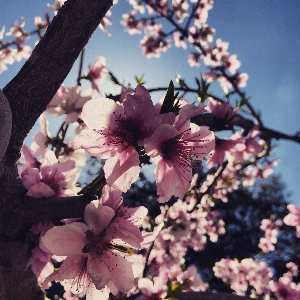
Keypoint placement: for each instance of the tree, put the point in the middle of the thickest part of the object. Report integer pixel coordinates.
(28, 95)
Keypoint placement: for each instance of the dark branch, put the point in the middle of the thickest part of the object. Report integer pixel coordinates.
(52, 59)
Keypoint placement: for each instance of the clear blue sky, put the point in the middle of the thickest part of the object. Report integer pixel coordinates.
(265, 35)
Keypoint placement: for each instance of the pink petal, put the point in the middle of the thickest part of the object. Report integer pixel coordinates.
(94, 144)
(40, 190)
(101, 113)
(98, 216)
(124, 231)
(111, 197)
(187, 112)
(97, 269)
(146, 286)
(64, 240)
(122, 169)
(153, 145)
(30, 177)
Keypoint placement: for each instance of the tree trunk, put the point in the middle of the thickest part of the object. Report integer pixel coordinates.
(28, 95)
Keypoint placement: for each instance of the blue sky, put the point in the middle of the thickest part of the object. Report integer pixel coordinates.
(265, 35)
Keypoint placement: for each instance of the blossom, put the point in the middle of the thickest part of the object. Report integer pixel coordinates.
(97, 73)
(51, 179)
(293, 218)
(128, 218)
(116, 133)
(67, 101)
(174, 148)
(96, 252)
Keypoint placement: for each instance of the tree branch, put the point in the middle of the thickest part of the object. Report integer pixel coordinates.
(28, 95)
(52, 59)
(209, 296)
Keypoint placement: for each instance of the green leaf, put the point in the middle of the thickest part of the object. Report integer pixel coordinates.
(113, 78)
(177, 288)
(169, 99)
(202, 89)
(139, 80)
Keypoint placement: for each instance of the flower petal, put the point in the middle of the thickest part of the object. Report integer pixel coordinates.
(122, 170)
(64, 240)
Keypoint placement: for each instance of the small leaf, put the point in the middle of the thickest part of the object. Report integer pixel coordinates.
(113, 78)
(139, 80)
(202, 89)
(169, 99)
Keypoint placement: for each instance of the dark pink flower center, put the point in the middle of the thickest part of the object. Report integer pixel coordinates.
(126, 134)
(182, 151)
(55, 180)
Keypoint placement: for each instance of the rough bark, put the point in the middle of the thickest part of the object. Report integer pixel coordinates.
(28, 95)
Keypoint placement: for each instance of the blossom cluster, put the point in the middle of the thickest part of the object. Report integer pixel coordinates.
(120, 133)
(191, 27)
(114, 249)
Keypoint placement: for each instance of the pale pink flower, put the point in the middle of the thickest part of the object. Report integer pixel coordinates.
(156, 289)
(67, 101)
(41, 139)
(132, 26)
(97, 73)
(174, 148)
(96, 252)
(105, 22)
(51, 179)
(179, 40)
(221, 110)
(56, 6)
(231, 63)
(116, 132)
(293, 218)
(127, 218)
(153, 45)
(228, 146)
(193, 60)
(29, 160)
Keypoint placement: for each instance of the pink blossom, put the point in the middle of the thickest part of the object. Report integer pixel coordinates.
(128, 219)
(293, 218)
(67, 101)
(105, 22)
(153, 45)
(156, 289)
(116, 132)
(51, 179)
(57, 5)
(97, 73)
(231, 63)
(131, 24)
(173, 148)
(94, 252)
(193, 60)
(229, 146)
(221, 110)
(179, 40)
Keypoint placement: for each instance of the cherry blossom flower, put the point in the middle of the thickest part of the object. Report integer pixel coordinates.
(51, 179)
(179, 40)
(67, 101)
(116, 132)
(173, 148)
(105, 22)
(156, 289)
(56, 6)
(97, 73)
(293, 218)
(96, 252)
(221, 110)
(128, 218)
